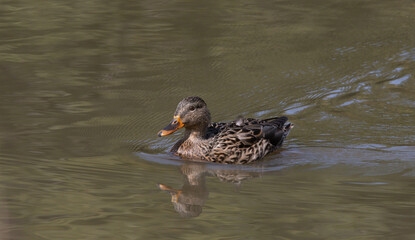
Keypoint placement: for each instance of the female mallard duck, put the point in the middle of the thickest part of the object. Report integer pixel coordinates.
(242, 141)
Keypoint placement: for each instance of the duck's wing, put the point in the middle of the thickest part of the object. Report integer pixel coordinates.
(246, 140)
(215, 128)
(238, 145)
(272, 129)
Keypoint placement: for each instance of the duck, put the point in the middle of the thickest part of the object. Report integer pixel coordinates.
(243, 141)
(190, 199)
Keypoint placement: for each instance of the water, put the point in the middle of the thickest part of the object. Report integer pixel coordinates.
(86, 85)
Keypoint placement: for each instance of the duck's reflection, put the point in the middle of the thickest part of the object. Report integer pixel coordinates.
(189, 200)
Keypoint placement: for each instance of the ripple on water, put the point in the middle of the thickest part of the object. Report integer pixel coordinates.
(371, 159)
(401, 80)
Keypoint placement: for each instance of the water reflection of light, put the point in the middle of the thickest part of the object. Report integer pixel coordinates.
(400, 80)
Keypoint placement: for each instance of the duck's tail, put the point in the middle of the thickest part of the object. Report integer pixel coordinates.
(280, 130)
(287, 127)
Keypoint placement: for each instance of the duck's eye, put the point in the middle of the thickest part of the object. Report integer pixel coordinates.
(192, 108)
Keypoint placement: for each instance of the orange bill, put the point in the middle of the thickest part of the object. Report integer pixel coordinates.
(172, 127)
(173, 192)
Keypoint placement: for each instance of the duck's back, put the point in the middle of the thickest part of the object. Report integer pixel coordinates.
(245, 140)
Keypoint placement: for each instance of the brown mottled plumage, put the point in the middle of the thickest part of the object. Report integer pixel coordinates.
(239, 142)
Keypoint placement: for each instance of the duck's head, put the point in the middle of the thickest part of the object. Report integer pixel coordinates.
(191, 113)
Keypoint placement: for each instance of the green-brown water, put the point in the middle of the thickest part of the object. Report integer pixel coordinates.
(86, 85)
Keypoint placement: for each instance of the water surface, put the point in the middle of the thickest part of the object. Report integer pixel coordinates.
(86, 85)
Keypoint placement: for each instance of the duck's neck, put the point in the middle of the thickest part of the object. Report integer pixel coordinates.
(195, 135)
(192, 145)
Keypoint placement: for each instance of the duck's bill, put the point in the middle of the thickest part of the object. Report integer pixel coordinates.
(172, 127)
(166, 188)
(173, 192)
